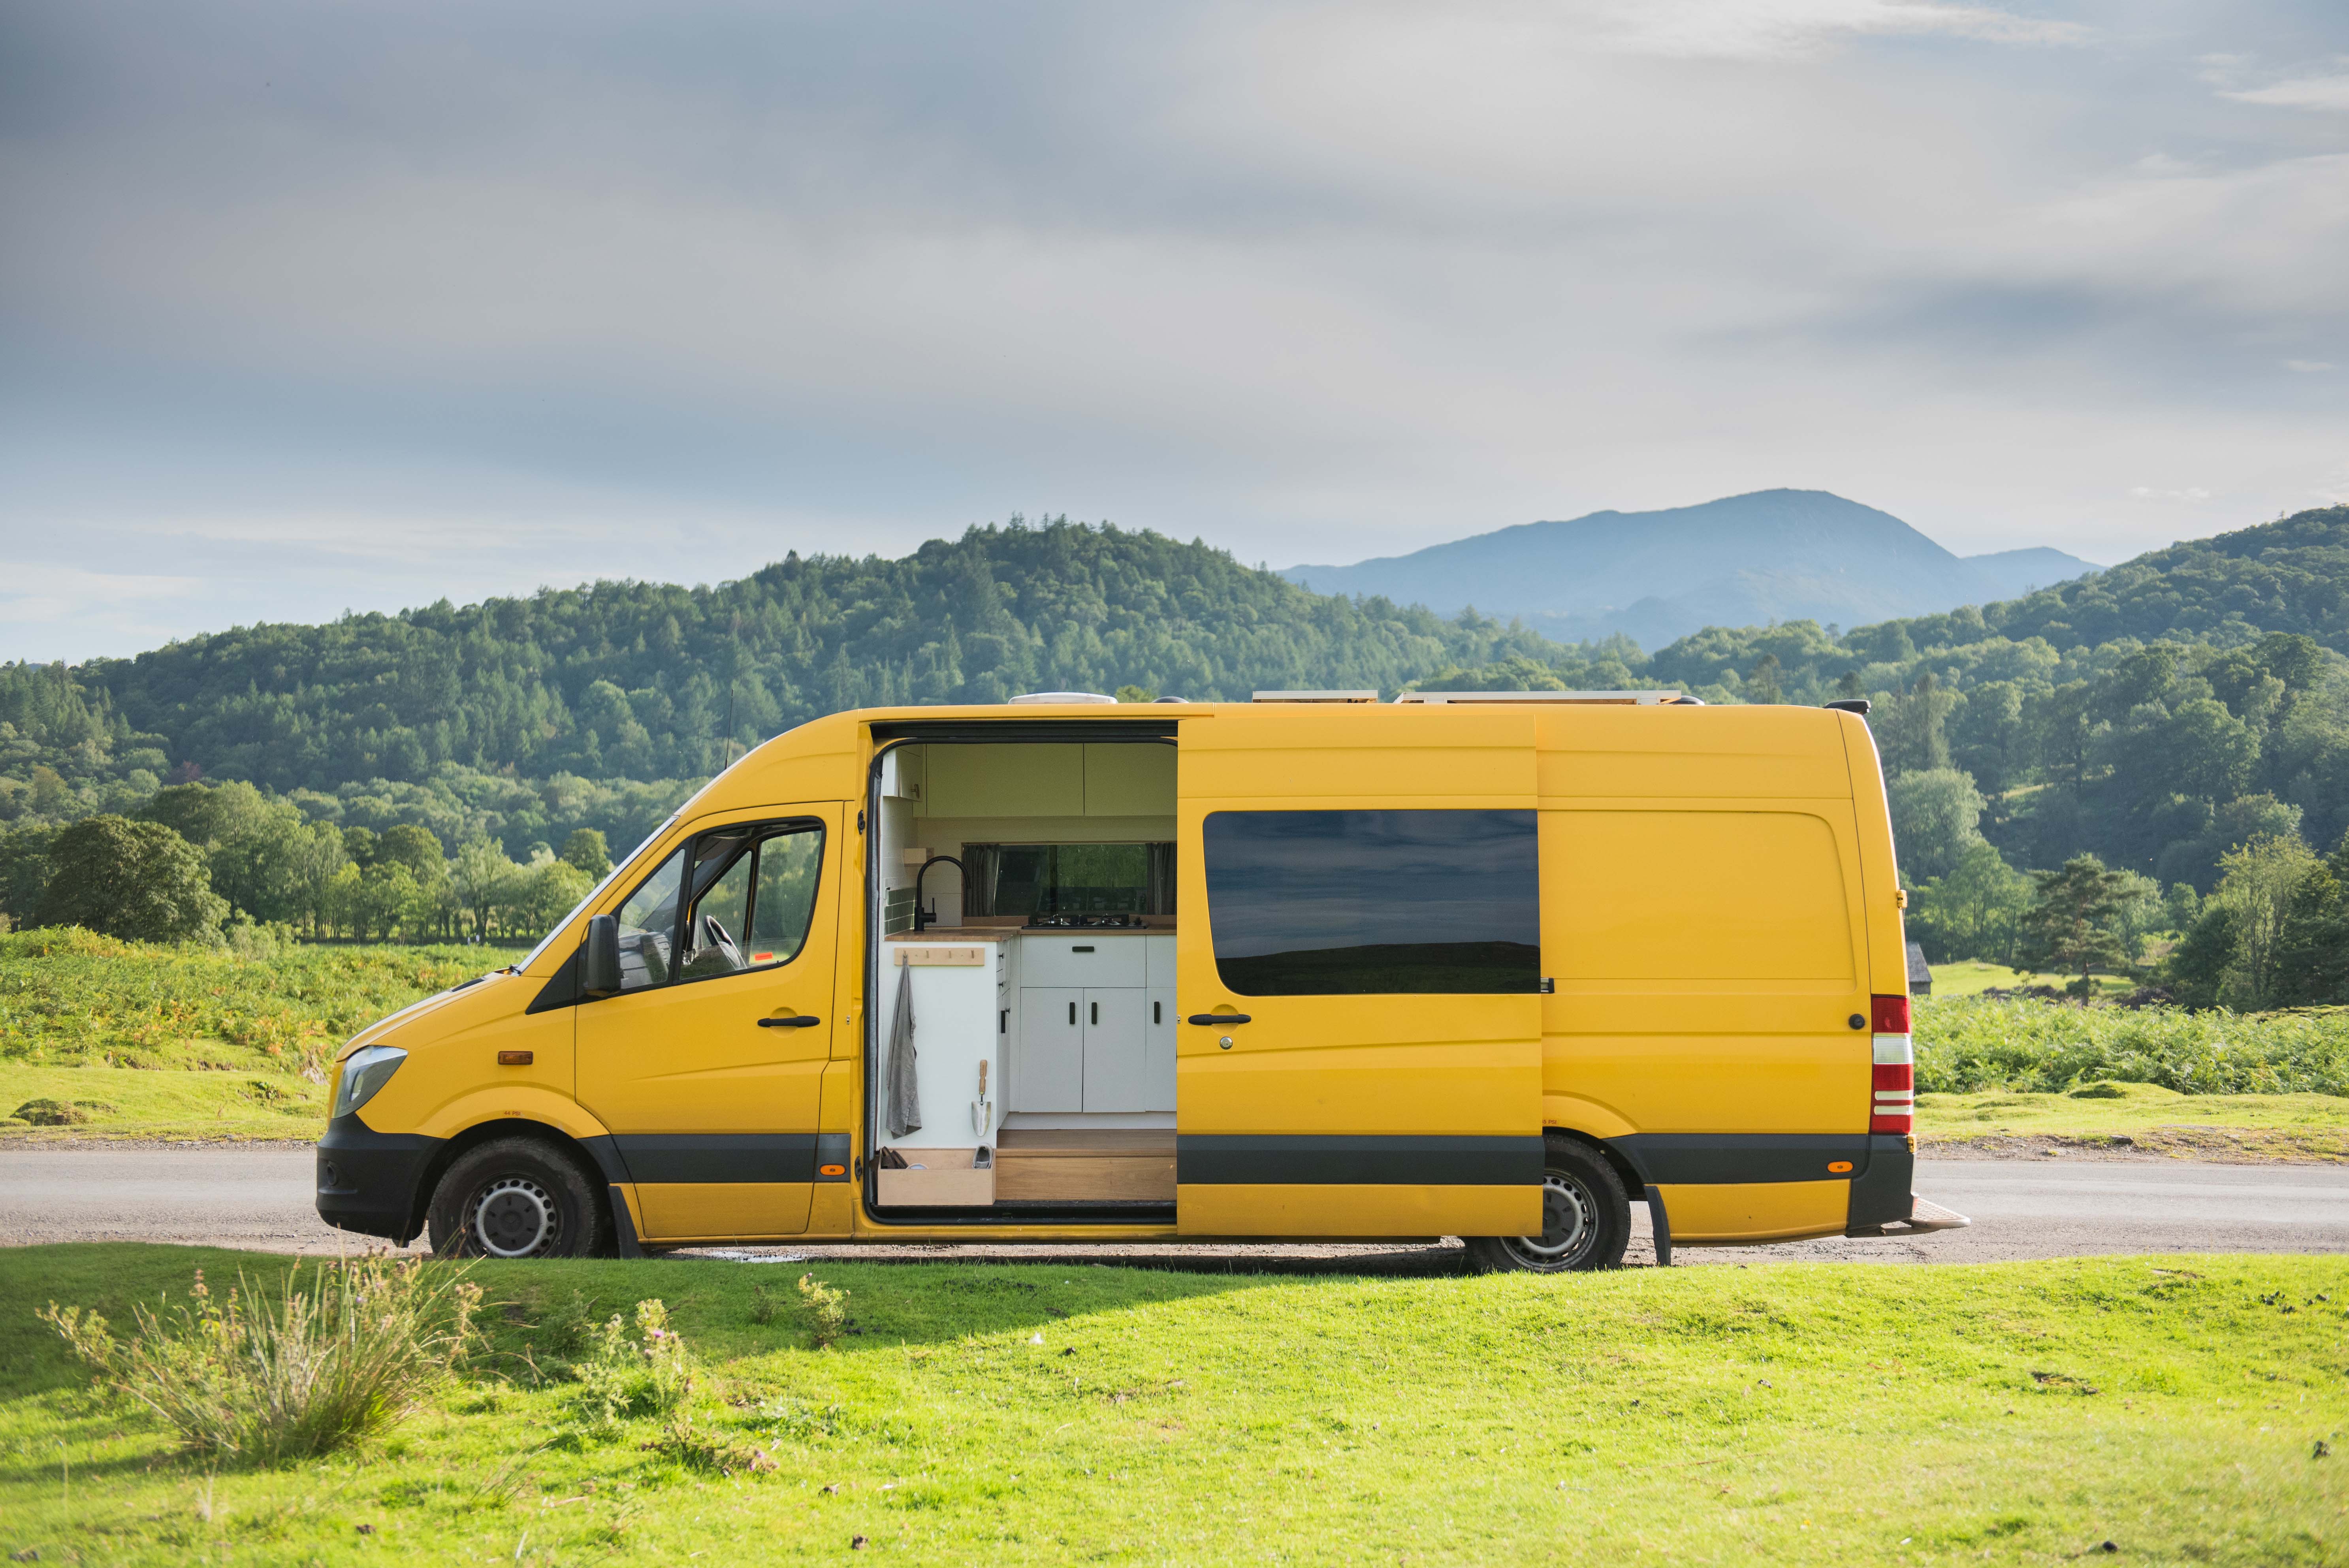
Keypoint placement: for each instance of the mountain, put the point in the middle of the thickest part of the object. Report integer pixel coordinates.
(1745, 560)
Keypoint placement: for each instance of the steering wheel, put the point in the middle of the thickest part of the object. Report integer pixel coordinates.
(714, 935)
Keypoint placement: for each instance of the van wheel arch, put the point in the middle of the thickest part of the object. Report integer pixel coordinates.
(1634, 1187)
(473, 1137)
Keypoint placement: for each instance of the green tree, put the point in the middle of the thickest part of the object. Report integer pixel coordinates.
(138, 880)
(1913, 732)
(585, 850)
(2071, 927)
(2257, 886)
(25, 869)
(1762, 683)
(1973, 912)
(1936, 817)
(484, 880)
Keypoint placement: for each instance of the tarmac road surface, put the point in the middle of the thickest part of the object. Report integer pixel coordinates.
(260, 1197)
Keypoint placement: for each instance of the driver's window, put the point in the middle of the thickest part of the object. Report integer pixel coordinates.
(751, 897)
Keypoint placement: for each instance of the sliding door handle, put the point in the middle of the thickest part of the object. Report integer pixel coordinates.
(1219, 1018)
(802, 1021)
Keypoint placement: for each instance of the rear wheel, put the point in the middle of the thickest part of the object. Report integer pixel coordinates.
(518, 1198)
(1586, 1217)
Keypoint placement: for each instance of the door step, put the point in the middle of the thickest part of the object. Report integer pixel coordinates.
(1057, 1166)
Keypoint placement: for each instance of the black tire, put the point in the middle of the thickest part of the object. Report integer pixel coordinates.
(519, 1197)
(1586, 1217)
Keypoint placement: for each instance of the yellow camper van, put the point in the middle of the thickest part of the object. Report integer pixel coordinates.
(1486, 965)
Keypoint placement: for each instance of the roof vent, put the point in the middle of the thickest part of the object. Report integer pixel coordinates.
(1062, 697)
(1620, 699)
(1315, 697)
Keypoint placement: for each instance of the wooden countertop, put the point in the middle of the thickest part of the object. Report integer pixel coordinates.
(1005, 933)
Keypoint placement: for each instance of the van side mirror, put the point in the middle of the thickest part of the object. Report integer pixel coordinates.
(599, 959)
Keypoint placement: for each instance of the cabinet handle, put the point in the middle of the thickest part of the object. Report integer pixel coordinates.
(1080, 950)
(1096, 1017)
(1157, 1012)
(1072, 1015)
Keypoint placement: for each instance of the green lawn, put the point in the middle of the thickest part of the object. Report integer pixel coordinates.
(2310, 1126)
(1971, 977)
(1049, 1413)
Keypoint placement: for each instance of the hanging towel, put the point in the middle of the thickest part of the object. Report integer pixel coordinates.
(904, 1092)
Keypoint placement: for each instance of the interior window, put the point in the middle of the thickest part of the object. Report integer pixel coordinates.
(1068, 878)
(648, 927)
(1325, 903)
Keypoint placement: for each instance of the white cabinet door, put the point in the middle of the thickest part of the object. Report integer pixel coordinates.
(1114, 1079)
(1158, 1049)
(1049, 1059)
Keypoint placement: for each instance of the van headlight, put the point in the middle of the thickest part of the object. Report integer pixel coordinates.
(366, 1069)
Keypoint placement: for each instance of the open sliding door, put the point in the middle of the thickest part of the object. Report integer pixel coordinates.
(1358, 964)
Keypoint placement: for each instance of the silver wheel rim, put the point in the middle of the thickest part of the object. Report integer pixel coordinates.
(1570, 1226)
(514, 1217)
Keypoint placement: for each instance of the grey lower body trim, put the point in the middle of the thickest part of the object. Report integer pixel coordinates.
(1349, 1159)
(1880, 1194)
(690, 1158)
(1708, 1160)
(624, 1226)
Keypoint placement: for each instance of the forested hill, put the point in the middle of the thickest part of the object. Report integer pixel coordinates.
(2156, 714)
(621, 684)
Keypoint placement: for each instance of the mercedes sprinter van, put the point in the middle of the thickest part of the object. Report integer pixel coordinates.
(1488, 965)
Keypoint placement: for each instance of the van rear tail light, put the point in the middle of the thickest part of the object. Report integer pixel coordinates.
(1892, 1078)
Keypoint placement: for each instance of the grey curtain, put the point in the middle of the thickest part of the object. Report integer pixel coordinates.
(1159, 896)
(905, 1090)
(979, 862)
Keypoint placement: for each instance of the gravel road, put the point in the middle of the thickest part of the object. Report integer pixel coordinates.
(259, 1196)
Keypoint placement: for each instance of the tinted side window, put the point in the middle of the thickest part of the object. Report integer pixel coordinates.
(1328, 903)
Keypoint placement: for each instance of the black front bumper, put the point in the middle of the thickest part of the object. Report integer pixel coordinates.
(372, 1182)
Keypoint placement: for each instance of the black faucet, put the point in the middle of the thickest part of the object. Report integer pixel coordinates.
(931, 919)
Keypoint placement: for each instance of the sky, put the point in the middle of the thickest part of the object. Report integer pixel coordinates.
(307, 308)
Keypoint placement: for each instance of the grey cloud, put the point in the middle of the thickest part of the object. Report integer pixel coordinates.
(542, 292)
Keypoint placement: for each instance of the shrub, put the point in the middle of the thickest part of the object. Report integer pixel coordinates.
(827, 1309)
(262, 1381)
(1968, 1046)
(648, 1374)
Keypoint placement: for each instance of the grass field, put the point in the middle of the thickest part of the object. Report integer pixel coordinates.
(2147, 1116)
(1049, 1414)
(1971, 977)
(148, 1041)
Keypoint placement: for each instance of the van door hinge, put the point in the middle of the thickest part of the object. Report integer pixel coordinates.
(1548, 986)
(860, 820)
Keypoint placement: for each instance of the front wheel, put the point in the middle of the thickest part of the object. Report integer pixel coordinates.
(517, 1197)
(1586, 1217)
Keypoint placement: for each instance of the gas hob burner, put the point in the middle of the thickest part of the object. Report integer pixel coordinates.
(1080, 922)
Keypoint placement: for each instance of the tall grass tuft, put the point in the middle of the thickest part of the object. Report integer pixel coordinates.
(1969, 1045)
(262, 1380)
